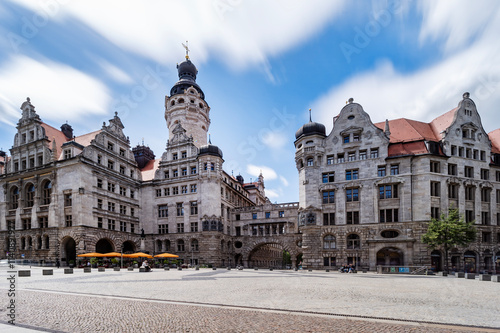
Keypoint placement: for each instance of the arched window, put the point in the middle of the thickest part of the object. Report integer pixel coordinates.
(172, 103)
(23, 243)
(180, 245)
(46, 242)
(222, 245)
(159, 245)
(310, 161)
(30, 195)
(353, 241)
(329, 242)
(181, 100)
(14, 198)
(30, 243)
(46, 192)
(39, 242)
(167, 245)
(194, 245)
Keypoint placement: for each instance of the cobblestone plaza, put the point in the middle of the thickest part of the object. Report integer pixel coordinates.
(251, 301)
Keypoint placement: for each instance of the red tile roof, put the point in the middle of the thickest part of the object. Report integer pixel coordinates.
(407, 130)
(85, 139)
(55, 134)
(407, 148)
(495, 141)
(442, 122)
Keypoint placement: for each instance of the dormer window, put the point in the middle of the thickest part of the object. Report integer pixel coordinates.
(111, 146)
(175, 156)
(184, 154)
(67, 154)
(122, 152)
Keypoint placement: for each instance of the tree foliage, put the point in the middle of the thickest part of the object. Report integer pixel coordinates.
(449, 231)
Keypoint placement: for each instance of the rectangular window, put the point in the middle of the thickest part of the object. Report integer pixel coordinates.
(352, 194)
(193, 188)
(476, 154)
(453, 150)
(175, 190)
(175, 156)
(329, 159)
(193, 170)
(453, 191)
(452, 169)
(485, 174)
(381, 171)
(355, 137)
(122, 169)
(461, 151)
(132, 194)
(43, 222)
(469, 172)
(99, 222)
(435, 189)
(212, 166)
(111, 187)
(67, 154)
(68, 200)
(122, 152)
(485, 218)
(497, 176)
(254, 216)
(166, 174)
(69, 220)
(498, 196)
(470, 193)
(175, 173)
(111, 206)
(469, 216)
(485, 194)
(111, 146)
(468, 153)
(483, 155)
(184, 154)
(351, 156)
(132, 211)
(374, 153)
(163, 228)
(166, 191)
(328, 218)
(281, 213)
(99, 203)
(180, 209)
(435, 167)
(362, 154)
(328, 197)
(184, 171)
(180, 228)
(99, 183)
(163, 211)
(238, 231)
(194, 207)
(394, 169)
(268, 215)
(158, 192)
(389, 215)
(435, 212)
(123, 191)
(123, 226)
(340, 158)
(184, 189)
(194, 226)
(486, 237)
(346, 138)
(329, 177)
(111, 224)
(388, 191)
(352, 217)
(351, 174)
(123, 209)
(111, 165)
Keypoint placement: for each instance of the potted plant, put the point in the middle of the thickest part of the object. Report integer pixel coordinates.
(135, 264)
(93, 262)
(71, 263)
(115, 262)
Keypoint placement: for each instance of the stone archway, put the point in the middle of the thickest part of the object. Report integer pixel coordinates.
(267, 255)
(104, 245)
(390, 256)
(68, 249)
(470, 261)
(436, 261)
(128, 247)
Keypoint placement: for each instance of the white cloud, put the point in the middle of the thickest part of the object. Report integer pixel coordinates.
(272, 193)
(267, 172)
(430, 91)
(62, 92)
(284, 181)
(241, 33)
(275, 140)
(114, 72)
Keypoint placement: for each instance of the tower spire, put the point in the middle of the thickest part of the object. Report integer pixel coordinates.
(310, 118)
(187, 49)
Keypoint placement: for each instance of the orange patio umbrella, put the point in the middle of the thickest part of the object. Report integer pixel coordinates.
(138, 255)
(112, 254)
(166, 255)
(90, 254)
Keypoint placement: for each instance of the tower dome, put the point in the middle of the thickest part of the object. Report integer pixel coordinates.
(311, 128)
(187, 78)
(210, 149)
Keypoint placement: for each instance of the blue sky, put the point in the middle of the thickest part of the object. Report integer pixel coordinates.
(262, 65)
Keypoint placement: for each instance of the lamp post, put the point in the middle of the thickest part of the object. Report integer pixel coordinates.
(121, 264)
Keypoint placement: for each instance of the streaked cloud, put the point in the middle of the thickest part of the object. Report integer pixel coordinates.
(284, 181)
(275, 139)
(115, 73)
(267, 172)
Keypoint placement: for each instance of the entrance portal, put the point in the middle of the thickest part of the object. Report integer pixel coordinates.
(390, 256)
(268, 255)
(129, 247)
(436, 261)
(104, 246)
(68, 247)
(470, 261)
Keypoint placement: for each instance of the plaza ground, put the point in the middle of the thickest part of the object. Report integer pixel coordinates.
(251, 301)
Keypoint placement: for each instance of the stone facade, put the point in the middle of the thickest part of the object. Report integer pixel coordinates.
(366, 191)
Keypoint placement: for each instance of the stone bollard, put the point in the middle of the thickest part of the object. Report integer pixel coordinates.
(142, 269)
(328, 271)
(240, 268)
(295, 269)
(442, 274)
(270, 269)
(364, 271)
(130, 269)
(309, 270)
(229, 268)
(470, 276)
(179, 268)
(48, 272)
(214, 268)
(484, 277)
(24, 273)
(460, 275)
(87, 270)
(68, 271)
(116, 269)
(197, 268)
(495, 278)
(255, 269)
(166, 268)
(101, 269)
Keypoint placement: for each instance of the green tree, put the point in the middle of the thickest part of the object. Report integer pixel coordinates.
(449, 231)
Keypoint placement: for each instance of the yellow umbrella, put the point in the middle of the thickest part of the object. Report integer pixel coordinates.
(166, 255)
(90, 254)
(138, 255)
